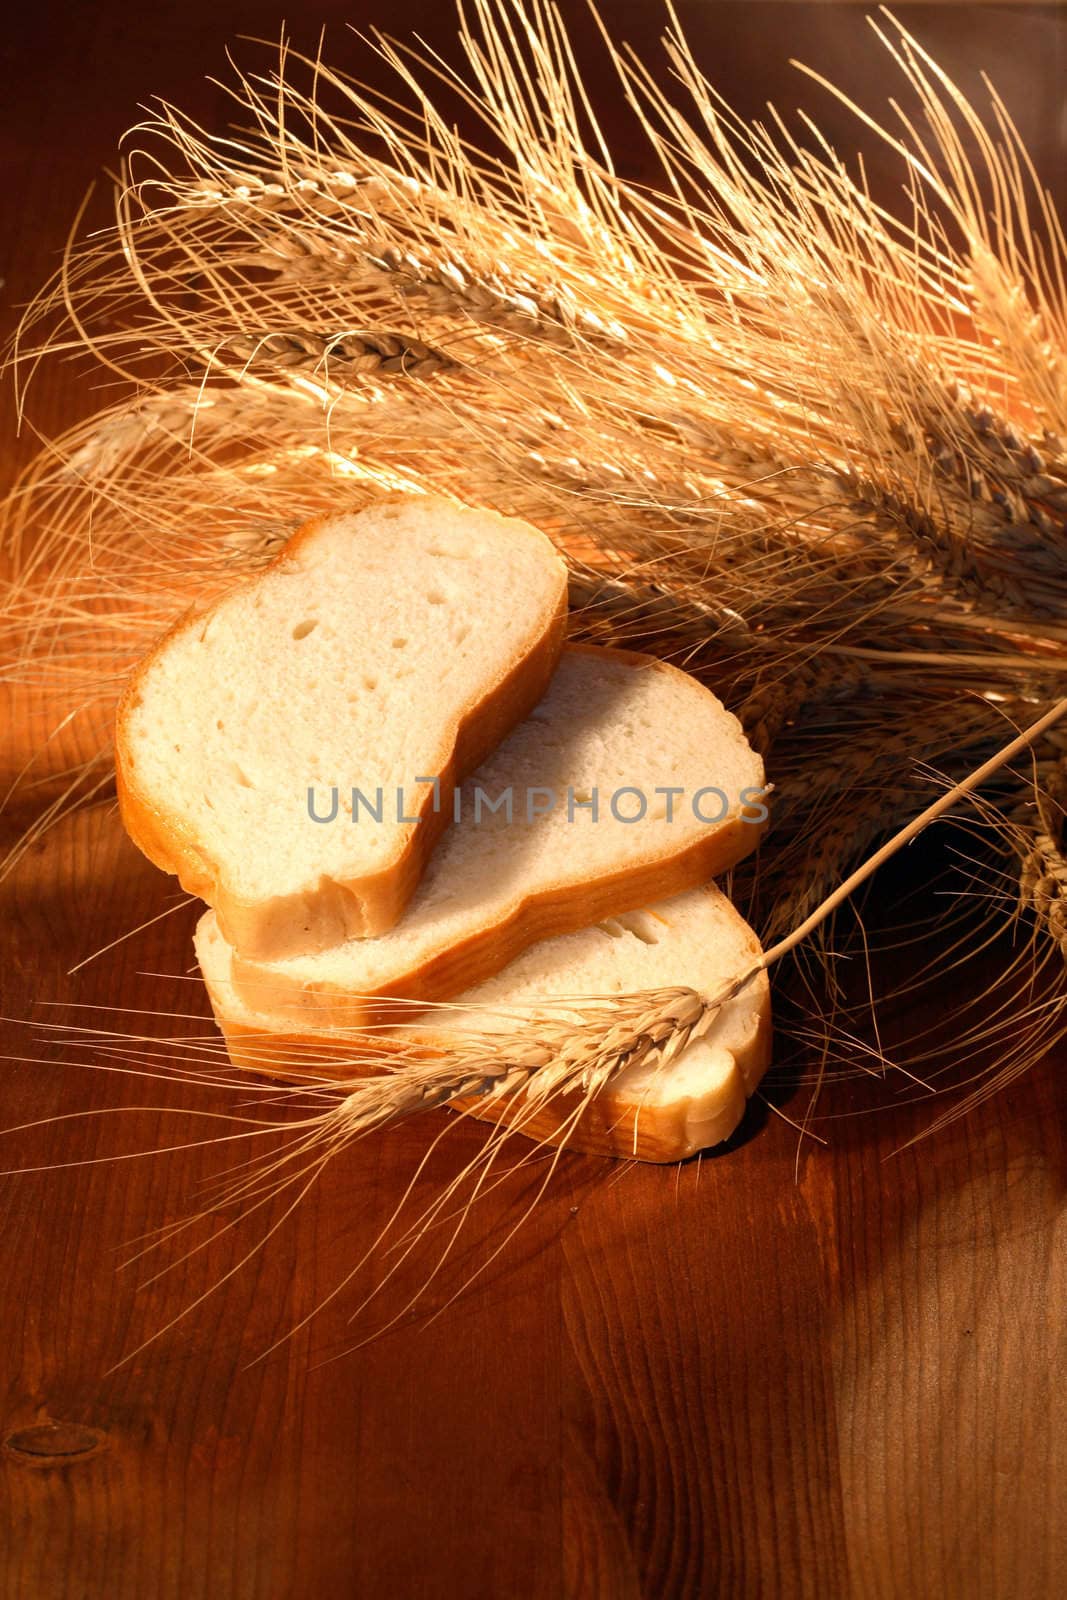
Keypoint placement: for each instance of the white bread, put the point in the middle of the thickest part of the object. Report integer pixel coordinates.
(610, 720)
(399, 643)
(696, 940)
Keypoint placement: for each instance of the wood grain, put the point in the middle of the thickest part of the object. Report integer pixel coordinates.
(747, 1376)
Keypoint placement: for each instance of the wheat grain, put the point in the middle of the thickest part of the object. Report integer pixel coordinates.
(542, 1057)
(363, 351)
(1043, 869)
(797, 684)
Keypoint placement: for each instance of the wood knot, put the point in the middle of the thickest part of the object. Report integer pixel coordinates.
(51, 1444)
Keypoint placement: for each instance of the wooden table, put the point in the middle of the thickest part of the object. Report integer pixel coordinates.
(838, 1375)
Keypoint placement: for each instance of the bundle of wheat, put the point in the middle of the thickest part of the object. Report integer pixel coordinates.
(812, 450)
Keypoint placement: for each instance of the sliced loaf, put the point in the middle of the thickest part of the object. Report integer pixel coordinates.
(654, 1113)
(378, 649)
(615, 725)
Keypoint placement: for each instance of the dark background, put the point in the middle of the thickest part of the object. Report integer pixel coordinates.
(837, 1372)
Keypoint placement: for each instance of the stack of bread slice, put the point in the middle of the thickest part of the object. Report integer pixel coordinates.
(391, 780)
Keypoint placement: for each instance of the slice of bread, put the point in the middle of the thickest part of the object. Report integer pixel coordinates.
(612, 721)
(696, 940)
(379, 650)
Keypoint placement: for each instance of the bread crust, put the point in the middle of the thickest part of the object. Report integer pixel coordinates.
(610, 1125)
(543, 915)
(336, 909)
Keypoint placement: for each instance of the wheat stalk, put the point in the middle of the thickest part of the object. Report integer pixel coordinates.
(1042, 825)
(542, 1058)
